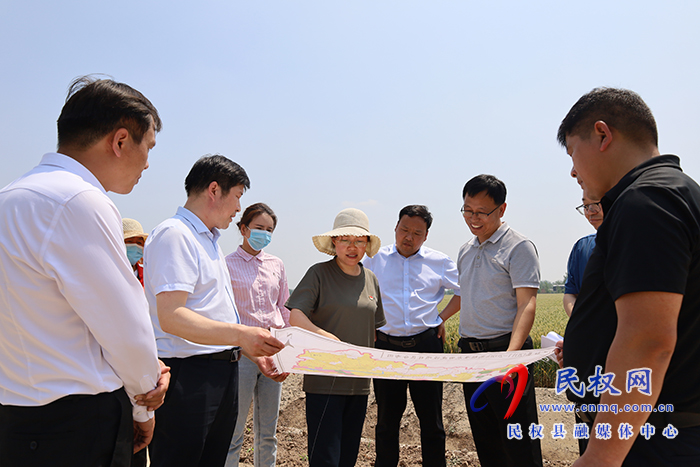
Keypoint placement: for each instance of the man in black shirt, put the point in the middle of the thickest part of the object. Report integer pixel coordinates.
(639, 305)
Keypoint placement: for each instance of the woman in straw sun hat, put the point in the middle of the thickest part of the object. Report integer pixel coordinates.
(135, 239)
(339, 299)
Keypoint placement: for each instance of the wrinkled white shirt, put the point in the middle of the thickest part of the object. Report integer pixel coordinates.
(73, 318)
(412, 288)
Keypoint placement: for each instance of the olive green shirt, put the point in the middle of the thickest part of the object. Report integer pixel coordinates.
(350, 307)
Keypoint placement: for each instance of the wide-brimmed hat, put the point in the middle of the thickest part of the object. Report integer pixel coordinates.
(132, 228)
(351, 222)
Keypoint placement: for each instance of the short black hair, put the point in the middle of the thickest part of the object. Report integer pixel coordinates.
(96, 107)
(493, 187)
(621, 109)
(215, 168)
(253, 211)
(417, 210)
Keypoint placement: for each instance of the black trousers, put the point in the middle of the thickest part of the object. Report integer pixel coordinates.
(582, 442)
(427, 400)
(74, 431)
(195, 425)
(140, 458)
(334, 428)
(489, 428)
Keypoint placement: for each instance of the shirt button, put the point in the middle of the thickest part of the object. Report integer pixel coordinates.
(33, 445)
(478, 257)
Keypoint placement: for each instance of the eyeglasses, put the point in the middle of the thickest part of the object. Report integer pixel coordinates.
(479, 215)
(591, 208)
(346, 243)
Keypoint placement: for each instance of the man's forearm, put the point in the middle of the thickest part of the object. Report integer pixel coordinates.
(521, 328)
(525, 316)
(189, 325)
(175, 318)
(569, 301)
(622, 357)
(451, 308)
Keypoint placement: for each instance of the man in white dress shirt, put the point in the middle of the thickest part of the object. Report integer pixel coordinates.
(412, 279)
(198, 331)
(76, 344)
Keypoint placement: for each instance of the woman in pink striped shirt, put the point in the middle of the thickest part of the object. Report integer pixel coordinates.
(260, 290)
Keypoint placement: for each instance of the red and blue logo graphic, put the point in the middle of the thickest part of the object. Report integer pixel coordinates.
(521, 372)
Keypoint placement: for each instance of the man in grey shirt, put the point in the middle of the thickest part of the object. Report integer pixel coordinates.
(499, 275)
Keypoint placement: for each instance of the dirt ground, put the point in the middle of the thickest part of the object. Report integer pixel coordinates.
(291, 431)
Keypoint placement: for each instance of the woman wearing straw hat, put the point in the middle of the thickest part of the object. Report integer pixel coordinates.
(339, 299)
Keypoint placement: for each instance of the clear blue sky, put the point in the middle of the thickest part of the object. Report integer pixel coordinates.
(367, 104)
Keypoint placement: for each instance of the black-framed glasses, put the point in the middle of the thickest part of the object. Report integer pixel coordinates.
(591, 207)
(479, 215)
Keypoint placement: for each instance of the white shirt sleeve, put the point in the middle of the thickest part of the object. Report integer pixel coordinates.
(450, 280)
(172, 262)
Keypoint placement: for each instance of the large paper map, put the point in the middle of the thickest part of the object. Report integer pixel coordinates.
(306, 352)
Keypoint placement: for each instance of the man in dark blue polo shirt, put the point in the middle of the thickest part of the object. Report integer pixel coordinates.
(639, 305)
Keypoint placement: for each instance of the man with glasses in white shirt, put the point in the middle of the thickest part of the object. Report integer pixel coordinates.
(413, 280)
(76, 346)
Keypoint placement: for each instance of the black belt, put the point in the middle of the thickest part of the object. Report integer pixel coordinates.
(406, 342)
(677, 419)
(230, 355)
(484, 345)
(586, 417)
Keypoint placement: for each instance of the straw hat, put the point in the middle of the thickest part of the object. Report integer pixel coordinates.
(132, 228)
(352, 222)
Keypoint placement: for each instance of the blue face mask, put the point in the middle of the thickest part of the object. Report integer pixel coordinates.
(134, 253)
(259, 239)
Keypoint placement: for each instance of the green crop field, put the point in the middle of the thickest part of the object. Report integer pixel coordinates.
(550, 316)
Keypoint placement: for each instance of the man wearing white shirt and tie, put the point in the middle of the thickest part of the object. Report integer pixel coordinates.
(197, 327)
(76, 346)
(412, 279)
